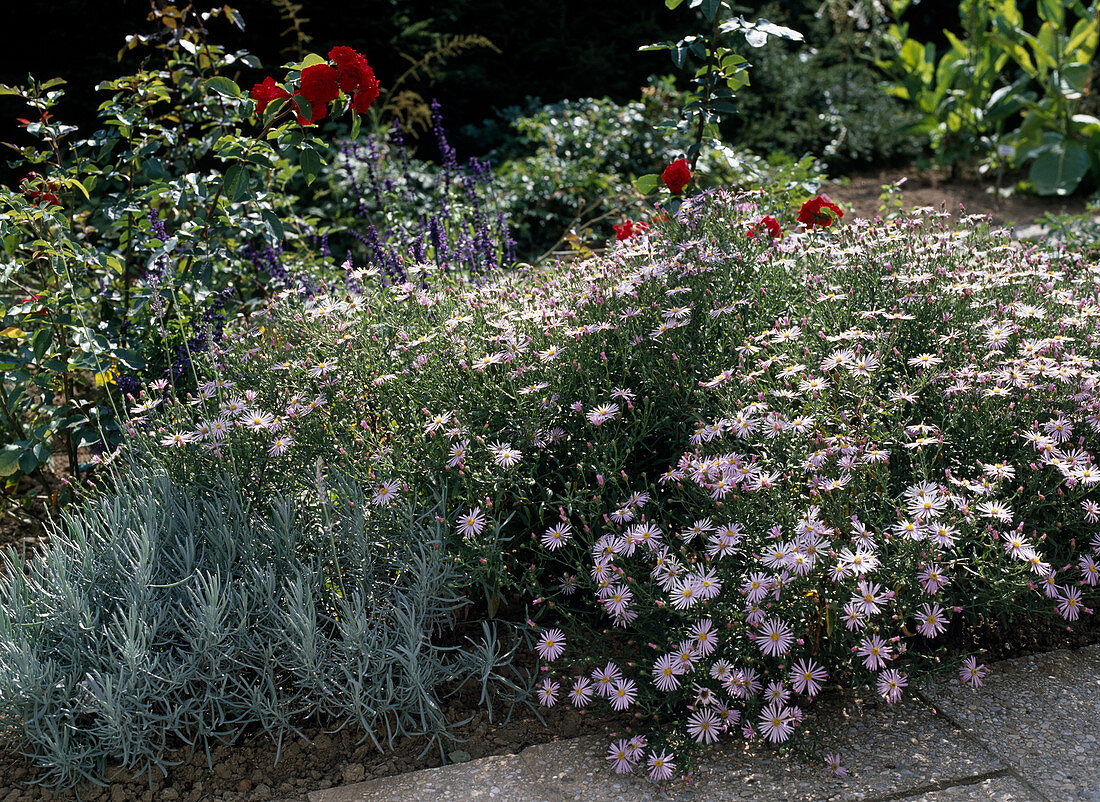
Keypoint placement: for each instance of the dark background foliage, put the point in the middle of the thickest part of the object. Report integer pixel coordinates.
(550, 50)
(563, 49)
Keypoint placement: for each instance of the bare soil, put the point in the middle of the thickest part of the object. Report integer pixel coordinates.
(860, 194)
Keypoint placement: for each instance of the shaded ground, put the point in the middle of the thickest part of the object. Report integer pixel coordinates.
(319, 758)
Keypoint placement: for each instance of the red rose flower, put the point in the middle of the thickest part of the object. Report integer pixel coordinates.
(266, 92)
(319, 85)
(35, 195)
(368, 90)
(770, 224)
(819, 211)
(628, 229)
(317, 111)
(676, 176)
(351, 68)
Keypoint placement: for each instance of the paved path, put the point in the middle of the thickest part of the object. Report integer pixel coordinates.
(1031, 734)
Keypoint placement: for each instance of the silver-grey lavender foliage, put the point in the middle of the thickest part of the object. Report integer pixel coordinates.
(161, 615)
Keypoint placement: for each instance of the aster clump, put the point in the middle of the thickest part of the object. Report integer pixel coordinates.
(726, 472)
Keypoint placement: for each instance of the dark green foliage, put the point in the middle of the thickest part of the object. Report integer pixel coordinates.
(823, 102)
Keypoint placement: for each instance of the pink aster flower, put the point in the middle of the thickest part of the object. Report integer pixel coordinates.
(556, 536)
(504, 455)
(457, 457)
(774, 638)
(890, 684)
(704, 637)
(1069, 603)
(581, 693)
(551, 644)
(547, 692)
(1090, 571)
(603, 413)
(832, 760)
(280, 445)
(704, 726)
(176, 439)
(972, 672)
(472, 523)
(385, 493)
(932, 620)
(623, 694)
(874, 652)
(605, 679)
(776, 722)
(619, 755)
(932, 578)
(807, 676)
(665, 672)
(661, 766)
(685, 594)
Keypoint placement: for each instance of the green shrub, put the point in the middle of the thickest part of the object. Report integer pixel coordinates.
(824, 102)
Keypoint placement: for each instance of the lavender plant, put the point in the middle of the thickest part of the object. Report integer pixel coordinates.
(165, 612)
(409, 212)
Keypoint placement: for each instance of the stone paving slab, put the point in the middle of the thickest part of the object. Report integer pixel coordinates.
(1039, 713)
(888, 751)
(993, 789)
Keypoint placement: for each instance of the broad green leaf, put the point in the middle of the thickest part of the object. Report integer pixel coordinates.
(223, 86)
(1085, 36)
(41, 452)
(311, 60)
(42, 340)
(128, 358)
(647, 184)
(1059, 168)
(9, 460)
(1076, 79)
(310, 163)
(28, 461)
(235, 182)
(273, 223)
(673, 4)
(305, 109)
